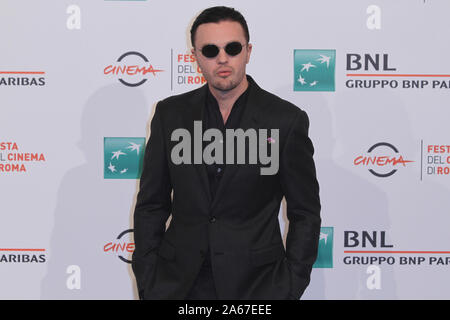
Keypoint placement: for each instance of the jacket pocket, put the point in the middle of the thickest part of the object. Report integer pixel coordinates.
(166, 250)
(259, 257)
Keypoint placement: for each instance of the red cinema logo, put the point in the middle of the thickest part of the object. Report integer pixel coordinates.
(133, 68)
(121, 247)
(383, 159)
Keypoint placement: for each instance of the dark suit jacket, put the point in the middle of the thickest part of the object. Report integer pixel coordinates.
(240, 225)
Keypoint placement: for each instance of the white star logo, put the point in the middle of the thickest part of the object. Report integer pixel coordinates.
(324, 59)
(323, 236)
(133, 146)
(116, 154)
(112, 168)
(124, 170)
(306, 66)
(301, 79)
(313, 83)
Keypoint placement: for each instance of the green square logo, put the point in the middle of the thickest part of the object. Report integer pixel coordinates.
(314, 70)
(325, 255)
(123, 157)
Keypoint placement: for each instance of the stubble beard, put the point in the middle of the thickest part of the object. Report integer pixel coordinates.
(227, 85)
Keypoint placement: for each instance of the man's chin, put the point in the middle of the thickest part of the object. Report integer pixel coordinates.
(224, 85)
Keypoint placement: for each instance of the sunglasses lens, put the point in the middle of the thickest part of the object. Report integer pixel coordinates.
(233, 48)
(210, 51)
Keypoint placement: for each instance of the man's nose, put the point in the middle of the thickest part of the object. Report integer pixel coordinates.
(222, 57)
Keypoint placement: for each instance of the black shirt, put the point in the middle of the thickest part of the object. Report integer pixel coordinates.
(212, 118)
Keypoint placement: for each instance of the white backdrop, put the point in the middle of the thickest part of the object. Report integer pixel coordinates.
(66, 217)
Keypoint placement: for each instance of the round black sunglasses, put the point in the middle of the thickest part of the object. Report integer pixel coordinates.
(232, 49)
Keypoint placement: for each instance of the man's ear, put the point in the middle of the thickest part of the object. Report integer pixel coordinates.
(249, 51)
(193, 52)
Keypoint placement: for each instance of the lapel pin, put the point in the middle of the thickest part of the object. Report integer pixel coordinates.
(270, 140)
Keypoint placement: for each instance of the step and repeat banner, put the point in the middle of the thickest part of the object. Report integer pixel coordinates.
(79, 81)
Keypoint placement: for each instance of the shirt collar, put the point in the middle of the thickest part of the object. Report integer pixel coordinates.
(211, 100)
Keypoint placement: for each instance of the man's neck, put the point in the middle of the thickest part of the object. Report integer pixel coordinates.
(226, 99)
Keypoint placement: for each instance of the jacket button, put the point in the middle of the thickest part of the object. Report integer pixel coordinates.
(213, 219)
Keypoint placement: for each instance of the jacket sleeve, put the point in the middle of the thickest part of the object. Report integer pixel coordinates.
(153, 204)
(301, 190)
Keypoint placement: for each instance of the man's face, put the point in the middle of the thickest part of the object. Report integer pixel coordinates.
(223, 72)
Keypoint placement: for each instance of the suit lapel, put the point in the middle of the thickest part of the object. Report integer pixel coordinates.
(194, 112)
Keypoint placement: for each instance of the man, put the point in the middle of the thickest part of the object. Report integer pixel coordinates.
(224, 239)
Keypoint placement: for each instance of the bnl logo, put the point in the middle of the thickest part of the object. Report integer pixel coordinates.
(123, 157)
(325, 255)
(314, 70)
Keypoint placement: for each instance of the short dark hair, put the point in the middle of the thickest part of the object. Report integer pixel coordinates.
(216, 15)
